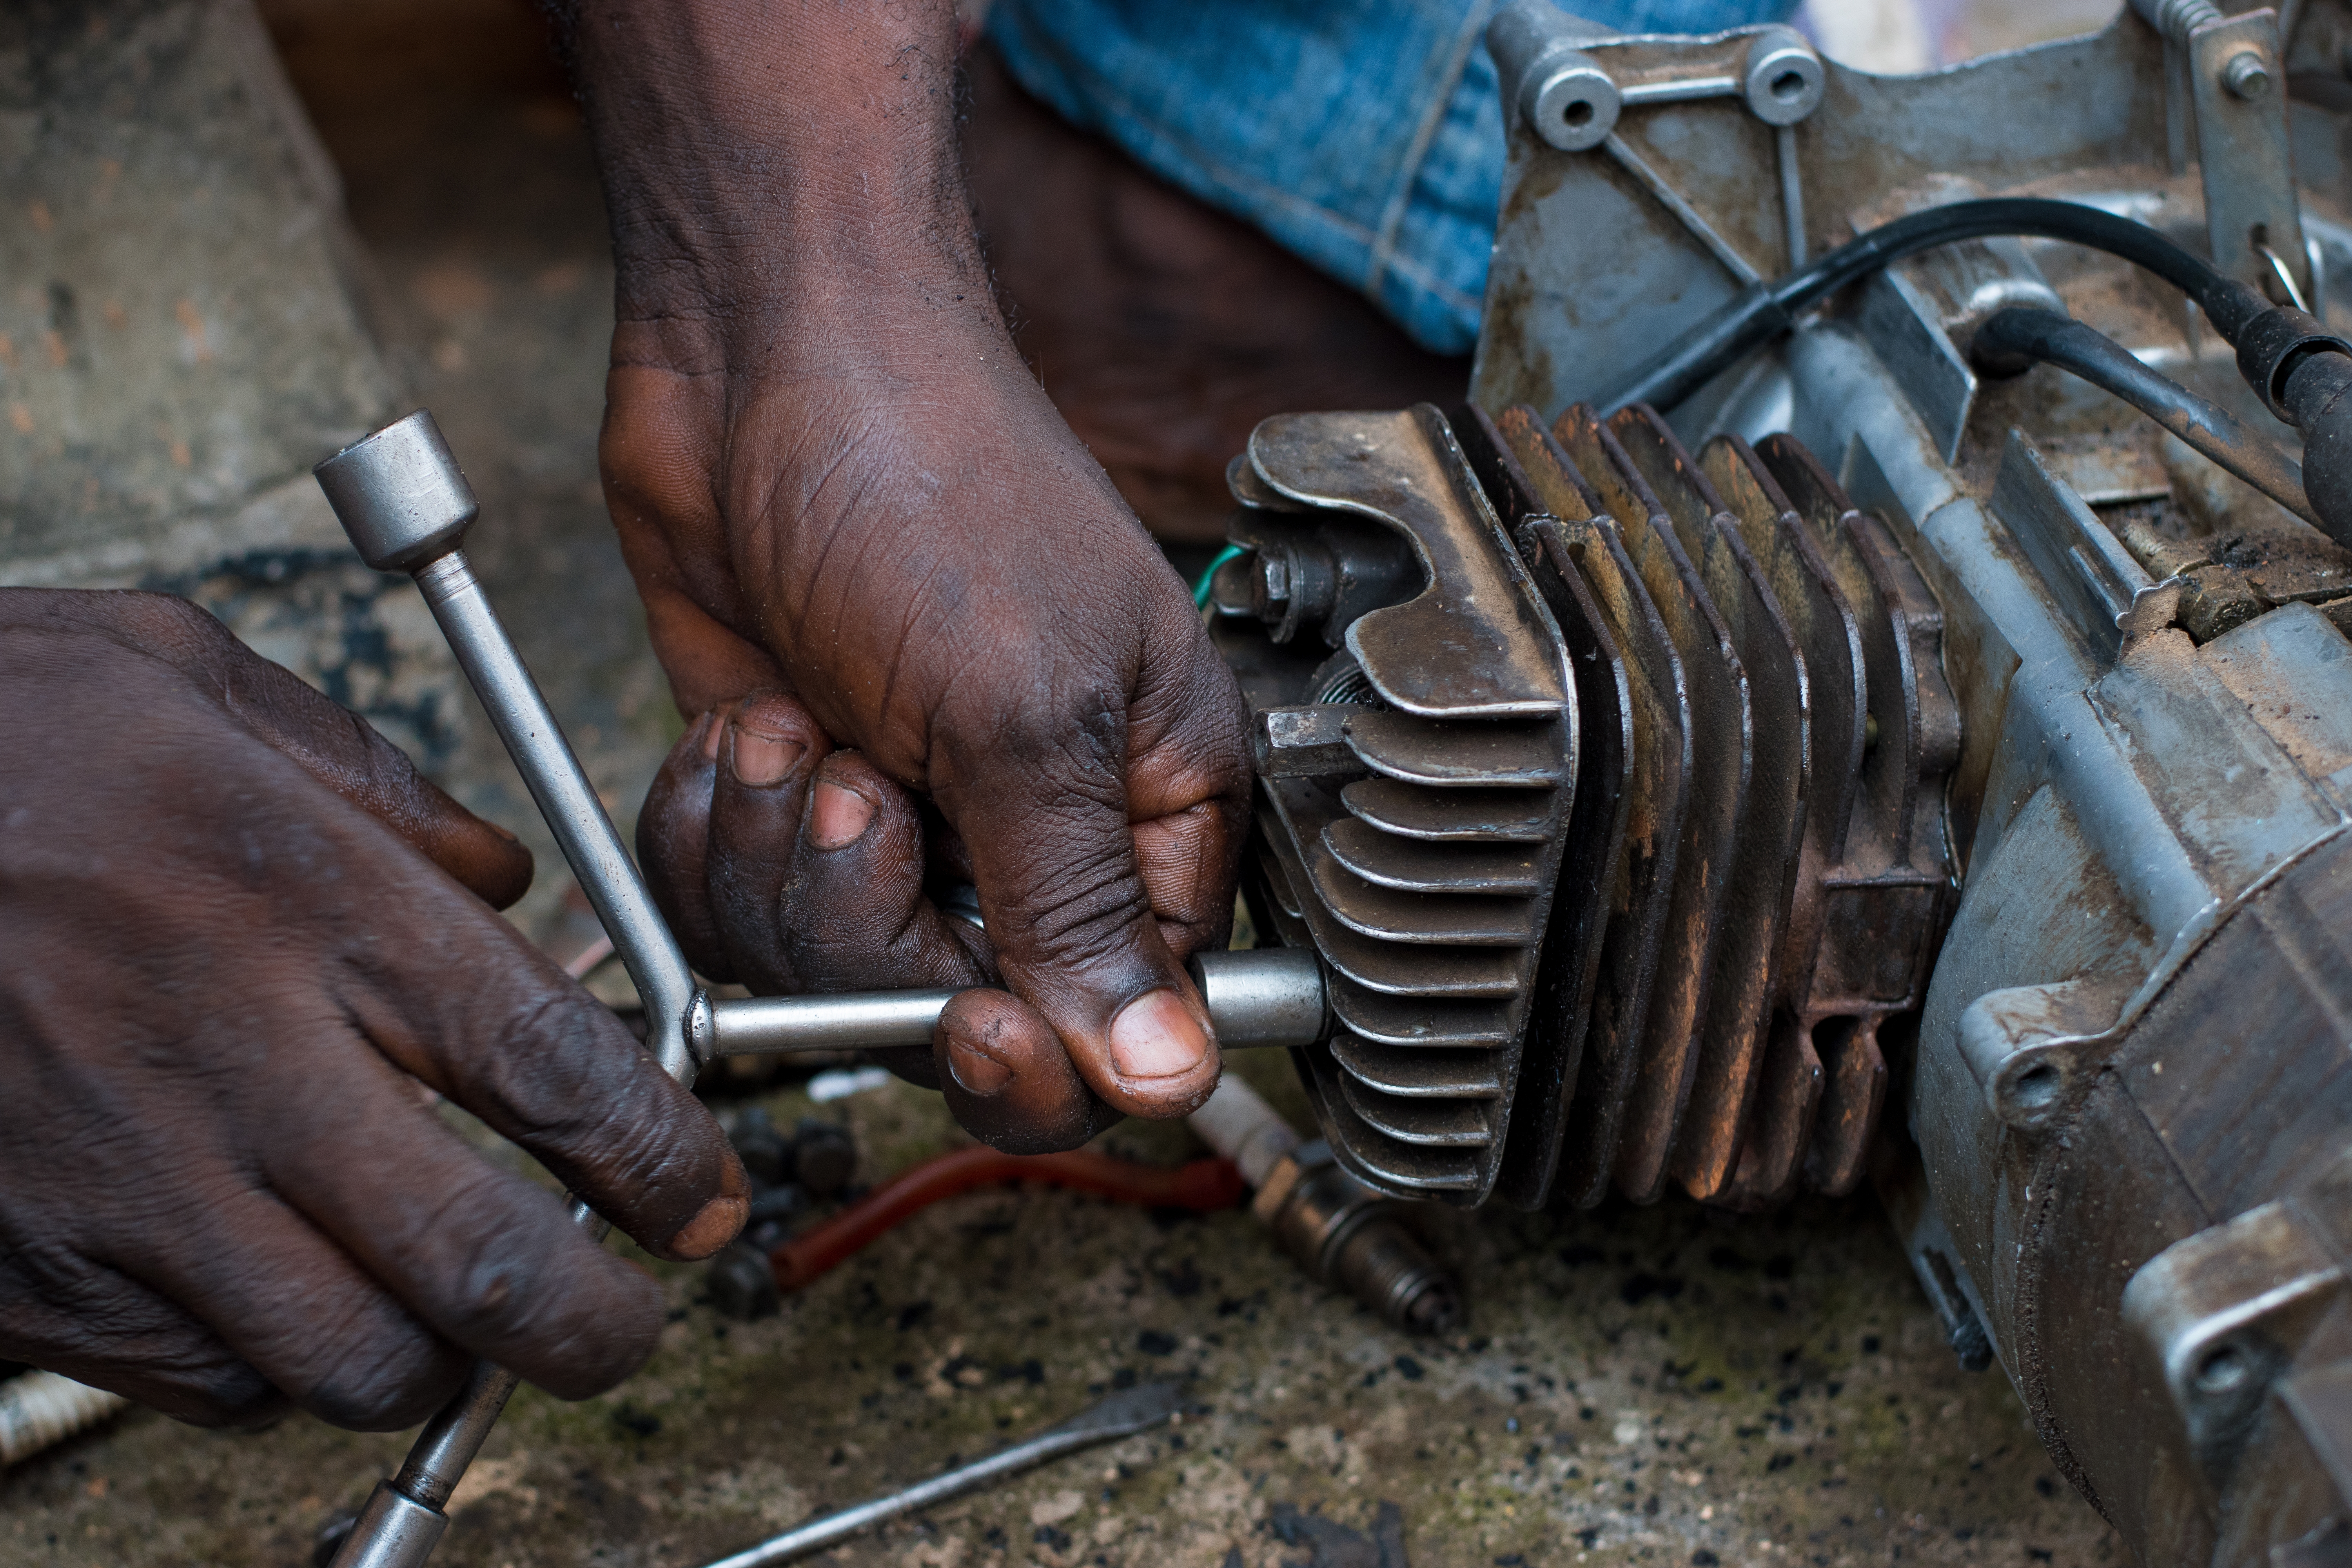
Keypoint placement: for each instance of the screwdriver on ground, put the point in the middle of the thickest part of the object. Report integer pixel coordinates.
(401, 497)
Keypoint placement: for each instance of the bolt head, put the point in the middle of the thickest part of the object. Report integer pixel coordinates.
(742, 1285)
(2247, 75)
(2223, 1371)
(1274, 572)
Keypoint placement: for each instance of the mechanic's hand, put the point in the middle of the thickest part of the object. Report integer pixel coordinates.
(230, 978)
(857, 522)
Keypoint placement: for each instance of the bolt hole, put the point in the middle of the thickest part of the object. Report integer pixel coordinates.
(2035, 1087)
(1579, 113)
(1788, 86)
(2222, 1370)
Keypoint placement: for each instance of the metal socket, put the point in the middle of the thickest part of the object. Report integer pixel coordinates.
(400, 495)
(392, 1531)
(1264, 996)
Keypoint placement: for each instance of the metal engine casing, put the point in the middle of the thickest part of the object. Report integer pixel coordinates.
(2079, 1002)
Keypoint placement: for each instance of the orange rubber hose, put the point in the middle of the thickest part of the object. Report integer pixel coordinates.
(1203, 1184)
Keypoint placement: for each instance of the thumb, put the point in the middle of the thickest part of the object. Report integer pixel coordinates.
(1073, 922)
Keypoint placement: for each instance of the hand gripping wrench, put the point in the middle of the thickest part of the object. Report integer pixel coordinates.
(400, 496)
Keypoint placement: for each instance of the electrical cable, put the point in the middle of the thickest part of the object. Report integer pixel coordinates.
(2023, 332)
(1203, 1185)
(1764, 311)
(1209, 575)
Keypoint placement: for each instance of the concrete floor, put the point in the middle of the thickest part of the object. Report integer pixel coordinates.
(1664, 1385)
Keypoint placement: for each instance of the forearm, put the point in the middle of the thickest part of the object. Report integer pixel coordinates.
(770, 162)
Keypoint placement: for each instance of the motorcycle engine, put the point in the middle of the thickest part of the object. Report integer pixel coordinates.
(1870, 754)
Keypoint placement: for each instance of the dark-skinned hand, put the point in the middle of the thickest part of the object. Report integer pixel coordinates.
(917, 634)
(244, 938)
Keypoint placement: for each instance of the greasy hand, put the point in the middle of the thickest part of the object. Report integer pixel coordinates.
(231, 977)
(878, 566)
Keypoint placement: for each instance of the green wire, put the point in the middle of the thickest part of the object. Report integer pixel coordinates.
(1201, 588)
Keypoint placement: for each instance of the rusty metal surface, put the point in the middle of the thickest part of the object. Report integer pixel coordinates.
(1740, 1055)
(1720, 723)
(1738, 896)
(1500, 659)
(1559, 1024)
(2242, 156)
(1825, 630)
(1881, 898)
(1581, 541)
(1469, 815)
(2135, 839)
(2125, 1056)
(1591, 274)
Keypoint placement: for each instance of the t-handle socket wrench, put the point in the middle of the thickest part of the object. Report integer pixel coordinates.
(407, 507)
(400, 496)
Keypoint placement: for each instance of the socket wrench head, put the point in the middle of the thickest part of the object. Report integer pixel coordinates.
(399, 494)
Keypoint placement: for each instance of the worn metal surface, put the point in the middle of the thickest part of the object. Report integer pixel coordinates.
(1881, 904)
(1426, 886)
(1580, 540)
(2088, 670)
(1717, 718)
(2253, 224)
(2118, 801)
(1740, 1060)
(1591, 275)
(1560, 1024)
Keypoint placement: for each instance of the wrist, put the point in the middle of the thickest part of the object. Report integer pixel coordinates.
(780, 158)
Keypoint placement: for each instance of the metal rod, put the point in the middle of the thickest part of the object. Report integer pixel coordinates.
(1792, 194)
(1122, 1415)
(1271, 996)
(1686, 91)
(568, 801)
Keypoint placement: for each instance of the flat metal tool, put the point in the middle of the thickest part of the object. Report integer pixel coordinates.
(1122, 1415)
(401, 497)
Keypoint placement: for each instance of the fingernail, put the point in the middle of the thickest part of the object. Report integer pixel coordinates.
(839, 815)
(713, 1227)
(761, 760)
(1155, 1036)
(713, 731)
(979, 1072)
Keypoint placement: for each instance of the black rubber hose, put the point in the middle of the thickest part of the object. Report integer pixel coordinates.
(1766, 311)
(2320, 396)
(2023, 332)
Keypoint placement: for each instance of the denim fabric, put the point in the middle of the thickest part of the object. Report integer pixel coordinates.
(1365, 136)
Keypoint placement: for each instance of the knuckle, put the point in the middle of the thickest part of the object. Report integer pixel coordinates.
(497, 1271)
(384, 1383)
(555, 1057)
(1087, 910)
(225, 1394)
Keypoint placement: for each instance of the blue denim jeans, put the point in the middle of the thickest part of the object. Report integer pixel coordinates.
(1364, 135)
